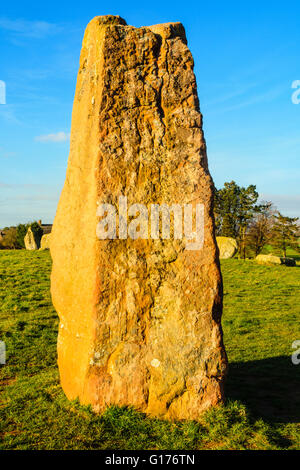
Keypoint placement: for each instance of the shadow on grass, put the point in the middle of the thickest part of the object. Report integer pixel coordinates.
(269, 387)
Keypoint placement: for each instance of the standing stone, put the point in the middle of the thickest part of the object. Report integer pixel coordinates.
(139, 319)
(45, 241)
(32, 240)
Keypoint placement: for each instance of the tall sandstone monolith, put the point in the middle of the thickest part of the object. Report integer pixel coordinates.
(139, 318)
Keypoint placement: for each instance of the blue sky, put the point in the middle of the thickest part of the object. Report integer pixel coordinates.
(246, 59)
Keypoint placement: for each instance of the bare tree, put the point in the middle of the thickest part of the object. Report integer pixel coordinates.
(285, 232)
(260, 230)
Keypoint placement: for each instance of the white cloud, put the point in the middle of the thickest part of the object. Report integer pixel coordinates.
(8, 154)
(25, 202)
(7, 113)
(58, 137)
(287, 204)
(33, 29)
(5, 154)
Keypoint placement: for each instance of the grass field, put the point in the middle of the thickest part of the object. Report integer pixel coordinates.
(261, 320)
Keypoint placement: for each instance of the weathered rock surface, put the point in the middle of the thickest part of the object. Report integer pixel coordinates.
(32, 241)
(45, 242)
(227, 247)
(139, 319)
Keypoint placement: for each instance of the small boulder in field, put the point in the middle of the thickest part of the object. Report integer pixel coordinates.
(268, 259)
(272, 259)
(32, 241)
(45, 242)
(289, 261)
(227, 247)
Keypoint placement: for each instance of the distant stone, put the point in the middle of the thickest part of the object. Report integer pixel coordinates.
(268, 259)
(272, 259)
(31, 240)
(227, 247)
(45, 242)
(289, 261)
(140, 319)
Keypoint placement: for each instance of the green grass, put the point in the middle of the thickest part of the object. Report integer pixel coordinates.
(262, 411)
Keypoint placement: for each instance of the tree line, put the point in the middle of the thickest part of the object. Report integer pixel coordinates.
(237, 214)
(254, 225)
(13, 238)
